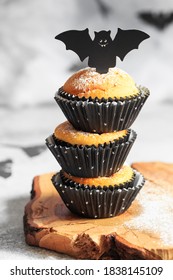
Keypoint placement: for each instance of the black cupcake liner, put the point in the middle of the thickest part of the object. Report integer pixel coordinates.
(91, 161)
(94, 115)
(98, 202)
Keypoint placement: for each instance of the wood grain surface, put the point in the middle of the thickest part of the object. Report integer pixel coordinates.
(144, 231)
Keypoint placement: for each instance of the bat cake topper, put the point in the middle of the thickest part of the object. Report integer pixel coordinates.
(102, 51)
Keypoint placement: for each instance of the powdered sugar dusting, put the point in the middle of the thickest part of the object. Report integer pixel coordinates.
(157, 214)
(91, 77)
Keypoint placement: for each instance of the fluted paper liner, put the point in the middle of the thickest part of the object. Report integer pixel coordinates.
(98, 202)
(101, 116)
(91, 161)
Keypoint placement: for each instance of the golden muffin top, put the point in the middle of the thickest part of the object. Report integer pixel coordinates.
(124, 175)
(67, 133)
(88, 83)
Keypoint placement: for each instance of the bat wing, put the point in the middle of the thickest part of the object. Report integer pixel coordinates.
(127, 40)
(78, 41)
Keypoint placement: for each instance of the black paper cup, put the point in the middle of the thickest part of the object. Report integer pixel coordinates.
(94, 115)
(91, 161)
(98, 202)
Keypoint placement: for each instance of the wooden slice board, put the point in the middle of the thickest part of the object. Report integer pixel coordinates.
(144, 231)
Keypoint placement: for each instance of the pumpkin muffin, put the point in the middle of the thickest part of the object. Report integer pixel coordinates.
(85, 154)
(100, 197)
(120, 179)
(101, 103)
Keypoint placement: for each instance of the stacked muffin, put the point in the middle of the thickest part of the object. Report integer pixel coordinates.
(94, 142)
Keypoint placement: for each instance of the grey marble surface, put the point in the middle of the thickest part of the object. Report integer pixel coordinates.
(33, 66)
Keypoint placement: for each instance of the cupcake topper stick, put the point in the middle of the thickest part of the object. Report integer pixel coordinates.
(102, 51)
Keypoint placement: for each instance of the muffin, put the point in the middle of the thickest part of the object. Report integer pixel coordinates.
(101, 103)
(101, 197)
(85, 154)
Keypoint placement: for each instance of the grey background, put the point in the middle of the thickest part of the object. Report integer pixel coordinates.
(33, 66)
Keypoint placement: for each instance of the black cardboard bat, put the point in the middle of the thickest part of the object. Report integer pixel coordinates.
(102, 51)
(158, 20)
